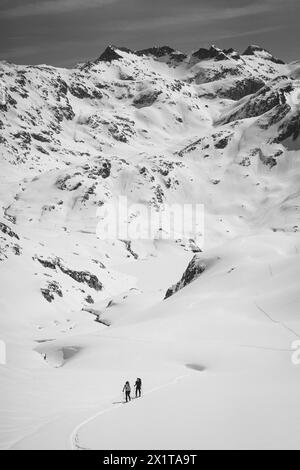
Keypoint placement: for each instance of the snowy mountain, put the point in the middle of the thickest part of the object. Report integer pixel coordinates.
(79, 313)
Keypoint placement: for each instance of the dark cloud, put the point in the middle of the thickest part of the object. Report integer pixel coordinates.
(64, 32)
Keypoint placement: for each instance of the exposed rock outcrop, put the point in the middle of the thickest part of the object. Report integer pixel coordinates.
(82, 277)
(146, 98)
(271, 95)
(196, 267)
(156, 51)
(290, 128)
(163, 52)
(8, 231)
(53, 288)
(212, 53)
(241, 88)
(253, 50)
(109, 55)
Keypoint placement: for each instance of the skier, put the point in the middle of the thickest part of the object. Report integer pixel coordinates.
(138, 388)
(127, 391)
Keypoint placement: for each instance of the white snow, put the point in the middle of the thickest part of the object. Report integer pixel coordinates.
(215, 358)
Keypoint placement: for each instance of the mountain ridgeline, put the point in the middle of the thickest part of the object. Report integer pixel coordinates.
(216, 127)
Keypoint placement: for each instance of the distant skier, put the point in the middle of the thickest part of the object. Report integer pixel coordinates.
(127, 391)
(138, 388)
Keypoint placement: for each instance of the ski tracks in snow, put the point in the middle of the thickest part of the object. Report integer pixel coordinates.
(278, 322)
(74, 437)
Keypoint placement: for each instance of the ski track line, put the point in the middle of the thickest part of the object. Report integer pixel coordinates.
(278, 322)
(74, 438)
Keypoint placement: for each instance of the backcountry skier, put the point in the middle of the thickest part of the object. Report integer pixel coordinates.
(138, 388)
(127, 391)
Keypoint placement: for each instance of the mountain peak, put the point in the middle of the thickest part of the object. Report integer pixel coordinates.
(254, 50)
(112, 53)
(212, 53)
(161, 51)
(158, 51)
(109, 55)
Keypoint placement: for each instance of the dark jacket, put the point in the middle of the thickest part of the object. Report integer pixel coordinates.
(127, 388)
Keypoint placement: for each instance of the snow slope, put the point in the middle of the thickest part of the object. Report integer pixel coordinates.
(81, 315)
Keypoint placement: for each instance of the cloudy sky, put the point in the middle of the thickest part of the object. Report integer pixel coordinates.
(65, 32)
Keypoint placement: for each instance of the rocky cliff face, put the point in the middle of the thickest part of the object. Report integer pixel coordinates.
(195, 268)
